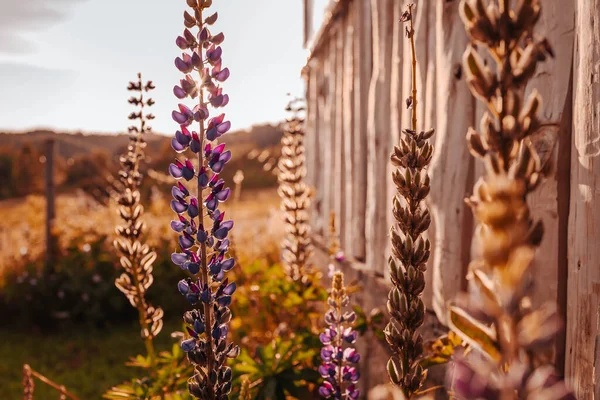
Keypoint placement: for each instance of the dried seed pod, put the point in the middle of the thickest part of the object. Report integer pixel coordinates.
(410, 252)
(295, 195)
(136, 259)
(496, 318)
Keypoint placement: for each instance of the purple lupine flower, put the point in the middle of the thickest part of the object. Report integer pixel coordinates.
(338, 369)
(201, 226)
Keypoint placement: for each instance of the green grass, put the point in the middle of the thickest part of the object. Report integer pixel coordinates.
(86, 361)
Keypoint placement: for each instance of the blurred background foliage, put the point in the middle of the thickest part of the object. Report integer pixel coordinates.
(68, 320)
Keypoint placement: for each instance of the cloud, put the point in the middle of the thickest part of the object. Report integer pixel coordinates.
(19, 18)
(33, 95)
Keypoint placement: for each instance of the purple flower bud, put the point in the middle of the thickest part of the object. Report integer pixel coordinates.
(178, 226)
(218, 38)
(184, 116)
(214, 53)
(224, 127)
(188, 171)
(228, 264)
(182, 43)
(326, 390)
(183, 136)
(230, 288)
(184, 64)
(185, 193)
(219, 149)
(224, 301)
(223, 195)
(225, 157)
(196, 60)
(193, 208)
(351, 355)
(222, 76)
(178, 147)
(189, 36)
(203, 178)
(179, 258)
(179, 92)
(179, 206)
(192, 267)
(326, 353)
(183, 287)
(349, 335)
(195, 146)
(350, 374)
(186, 241)
(352, 392)
(176, 170)
(211, 19)
(203, 35)
(205, 296)
(211, 204)
(199, 327)
(188, 345)
(349, 317)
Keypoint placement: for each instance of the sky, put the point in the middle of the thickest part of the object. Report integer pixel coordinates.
(65, 64)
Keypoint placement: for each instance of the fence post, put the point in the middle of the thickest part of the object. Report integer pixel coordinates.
(50, 203)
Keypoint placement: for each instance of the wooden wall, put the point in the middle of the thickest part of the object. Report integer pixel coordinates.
(358, 77)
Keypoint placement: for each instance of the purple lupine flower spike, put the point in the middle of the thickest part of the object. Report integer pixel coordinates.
(339, 359)
(202, 244)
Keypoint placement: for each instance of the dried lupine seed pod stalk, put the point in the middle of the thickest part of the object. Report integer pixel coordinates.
(203, 230)
(28, 383)
(497, 317)
(338, 355)
(410, 250)
(136, 258)
(294, 193)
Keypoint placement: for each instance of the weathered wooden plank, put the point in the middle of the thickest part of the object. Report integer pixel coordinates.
(378, 148)
(552, 82)
(397, 107)
(338, 170)
(363, 70)
(583, 307)
(348, 132)
(326, 135)
(314, 173)
(428, 123)
(451, 167)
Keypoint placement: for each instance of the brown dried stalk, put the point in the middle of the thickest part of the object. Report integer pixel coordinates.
(497, 316)
(295, 195)
(29, 384)
(334, 248)
(410, 249)
(137, 258)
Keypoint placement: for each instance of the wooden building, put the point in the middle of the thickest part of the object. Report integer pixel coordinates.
(357, 79)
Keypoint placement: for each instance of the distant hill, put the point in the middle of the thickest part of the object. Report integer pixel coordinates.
(69, 145)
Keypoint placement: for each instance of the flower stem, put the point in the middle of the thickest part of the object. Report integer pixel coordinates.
(210, 355)
(414, 70)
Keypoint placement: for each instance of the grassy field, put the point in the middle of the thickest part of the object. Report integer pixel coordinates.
(87, 362)
(90, 361)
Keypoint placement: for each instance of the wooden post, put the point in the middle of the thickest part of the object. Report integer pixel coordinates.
(552, 81)
(397, 108)
(378, 135)
(339, 180)
(452, 165)
(325, 100)
(50, 203)
(363, 70)
(348, 132)
(313, 148)
(583, 306)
